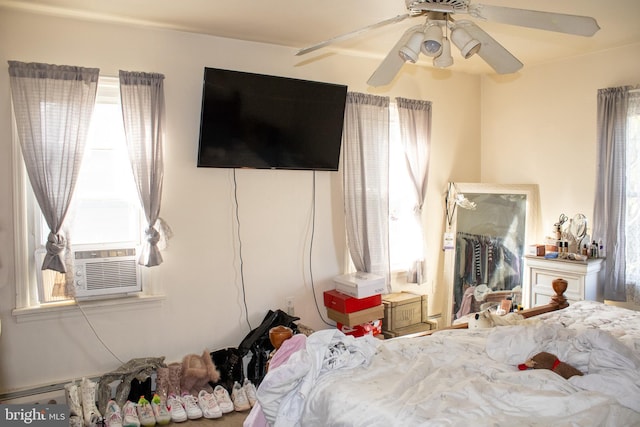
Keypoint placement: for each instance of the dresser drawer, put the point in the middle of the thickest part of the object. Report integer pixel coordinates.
(545, 279)
(542, 283)
(543, 297)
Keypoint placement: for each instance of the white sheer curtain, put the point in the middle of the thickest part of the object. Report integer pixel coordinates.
(143, 111)
(632, 212)
(415, 131)
(53, 105)
(366, 182)
(610, 200)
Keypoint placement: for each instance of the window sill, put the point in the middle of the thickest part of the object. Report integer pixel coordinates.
(68, 309)
(399, 277)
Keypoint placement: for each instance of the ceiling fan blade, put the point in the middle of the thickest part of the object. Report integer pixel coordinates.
(549, 21)
(352, 34)
(493, 53)
(391, 64)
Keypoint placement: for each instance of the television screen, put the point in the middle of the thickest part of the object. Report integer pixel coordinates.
(268, 122)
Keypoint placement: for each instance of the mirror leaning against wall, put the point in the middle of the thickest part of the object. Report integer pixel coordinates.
(488, 229)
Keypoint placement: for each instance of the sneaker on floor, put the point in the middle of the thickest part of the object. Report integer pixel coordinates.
(112, 415)
(90, 413)
(160, 410)
(222, 397)
(145, 413)
(73, 397)
(174, 404)
(209, 405)
(75, 421)
(130, 417)
(239, 397)
(190, 403)
(250, 391)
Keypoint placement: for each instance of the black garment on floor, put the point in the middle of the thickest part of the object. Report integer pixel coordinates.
(257, 342)
(140, 388)
(228, 361)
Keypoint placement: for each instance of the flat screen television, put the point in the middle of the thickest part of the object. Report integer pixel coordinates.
(269, 122)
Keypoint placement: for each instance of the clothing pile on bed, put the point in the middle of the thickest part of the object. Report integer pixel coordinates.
(464, 377)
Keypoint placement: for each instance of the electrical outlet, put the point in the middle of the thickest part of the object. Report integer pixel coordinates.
(291, 311)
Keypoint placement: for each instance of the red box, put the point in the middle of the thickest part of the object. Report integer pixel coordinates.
(347, 304)
(369, 328)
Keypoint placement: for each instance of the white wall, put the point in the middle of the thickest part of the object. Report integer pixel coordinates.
(200, 276)
(540, 127)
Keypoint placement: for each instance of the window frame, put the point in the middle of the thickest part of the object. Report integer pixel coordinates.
(27, 229)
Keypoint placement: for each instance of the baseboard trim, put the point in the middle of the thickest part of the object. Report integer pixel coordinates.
(40, 394)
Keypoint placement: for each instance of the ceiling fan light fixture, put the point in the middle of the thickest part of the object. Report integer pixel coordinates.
(411, 50)
(468, 37)
(432, 45)
(462, 39)
(445, 59)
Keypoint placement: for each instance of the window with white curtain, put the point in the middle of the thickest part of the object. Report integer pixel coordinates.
(404, 248)
(632, 222)
(105, 209)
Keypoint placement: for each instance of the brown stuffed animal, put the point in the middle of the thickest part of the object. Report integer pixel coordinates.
(197, 372)
(546, 360)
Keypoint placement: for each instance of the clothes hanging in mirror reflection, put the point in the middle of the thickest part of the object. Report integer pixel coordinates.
(483, 260)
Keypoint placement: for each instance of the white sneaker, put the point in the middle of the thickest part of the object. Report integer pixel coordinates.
(74, 401)
(112, 415)
(209, 405)
(91, 415)
(160, 410)
(190, 403)
(250, 391)
(130, 418)
(239, 397)
(145, 413)
(75, 421)
(174, 404)
(222, 397)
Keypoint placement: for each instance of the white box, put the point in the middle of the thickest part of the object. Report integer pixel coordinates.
(360, 284)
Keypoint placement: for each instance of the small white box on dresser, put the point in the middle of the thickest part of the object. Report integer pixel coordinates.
(584, 279)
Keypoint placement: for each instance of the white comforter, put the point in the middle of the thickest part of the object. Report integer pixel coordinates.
(460, 378)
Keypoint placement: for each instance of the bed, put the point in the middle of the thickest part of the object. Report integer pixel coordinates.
(462, 377)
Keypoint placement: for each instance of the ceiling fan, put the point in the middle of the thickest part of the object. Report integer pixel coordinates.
(434, 37)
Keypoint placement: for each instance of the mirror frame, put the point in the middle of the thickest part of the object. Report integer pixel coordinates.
(531, 232)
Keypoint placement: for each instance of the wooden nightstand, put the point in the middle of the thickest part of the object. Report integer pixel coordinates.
(585, 279)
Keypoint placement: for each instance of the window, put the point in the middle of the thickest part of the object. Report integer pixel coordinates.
(105, 209)
(632, 222)
(616, 207)
(105, 204)
(404, 248)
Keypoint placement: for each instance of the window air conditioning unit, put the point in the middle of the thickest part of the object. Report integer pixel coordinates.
(101, 271)
(98, 272)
